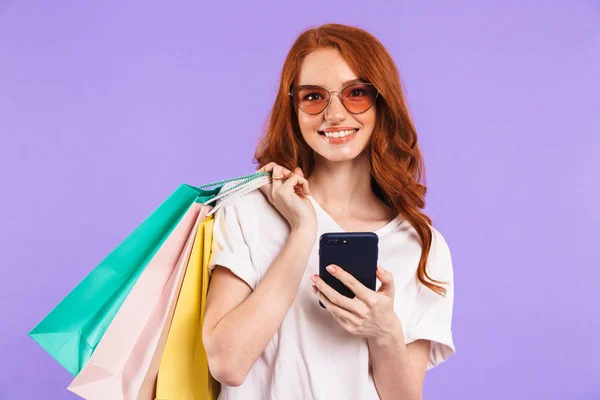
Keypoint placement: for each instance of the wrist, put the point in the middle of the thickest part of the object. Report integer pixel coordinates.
(391, 336)
(303, 234)
(305, 229)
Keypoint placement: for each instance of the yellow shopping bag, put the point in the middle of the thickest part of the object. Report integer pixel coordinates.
(183, 373)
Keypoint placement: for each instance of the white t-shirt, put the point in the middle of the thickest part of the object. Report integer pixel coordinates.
(311, 356)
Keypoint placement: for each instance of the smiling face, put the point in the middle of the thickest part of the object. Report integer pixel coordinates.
(335, 134)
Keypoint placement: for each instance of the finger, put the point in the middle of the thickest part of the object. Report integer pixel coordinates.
(293, 181)
(305, 187)
(360, 290)
(267, 189)
(277, 179)
(335, 310)
(334, 296)
(387, 282)
(301, 190)
(272, 166)
(285, 173)
(297, 184)
(268, 167)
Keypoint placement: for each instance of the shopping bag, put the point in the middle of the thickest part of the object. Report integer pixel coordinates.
(72, 330)
(183, 373)
(126, 360)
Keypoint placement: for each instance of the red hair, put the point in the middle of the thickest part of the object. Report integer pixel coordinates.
(395, 159)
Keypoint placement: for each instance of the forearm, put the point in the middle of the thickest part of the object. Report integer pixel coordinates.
(393, 373)
(243, 334)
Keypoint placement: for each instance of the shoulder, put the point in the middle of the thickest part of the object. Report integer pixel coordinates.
(241, 202)
(246, 209)
(246, 216)
(440, 257)
(439, 244)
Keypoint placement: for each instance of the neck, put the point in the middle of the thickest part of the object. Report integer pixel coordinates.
(342, 186)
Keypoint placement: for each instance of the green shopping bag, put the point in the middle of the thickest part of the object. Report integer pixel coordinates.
(73, 329)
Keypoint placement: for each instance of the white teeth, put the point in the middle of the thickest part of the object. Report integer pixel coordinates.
(339, 134)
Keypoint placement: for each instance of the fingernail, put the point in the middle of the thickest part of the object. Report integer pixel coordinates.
(381, 270)
(330, 269)
(313, 278)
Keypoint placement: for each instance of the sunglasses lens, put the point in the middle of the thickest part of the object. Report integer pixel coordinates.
(311, 99)
(314, 99)
(359, 98)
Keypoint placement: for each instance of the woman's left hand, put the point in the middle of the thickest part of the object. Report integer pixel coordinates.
(369, 314)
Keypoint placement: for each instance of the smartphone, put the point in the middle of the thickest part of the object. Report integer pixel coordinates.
(355, 252)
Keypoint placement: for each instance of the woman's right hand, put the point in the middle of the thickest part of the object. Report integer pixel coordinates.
(288, 192)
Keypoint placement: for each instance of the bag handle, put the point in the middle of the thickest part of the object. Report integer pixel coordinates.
(245, 178)
(241, 189)
(242, 184)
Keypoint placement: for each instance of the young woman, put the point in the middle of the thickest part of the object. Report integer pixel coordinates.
(343, 154)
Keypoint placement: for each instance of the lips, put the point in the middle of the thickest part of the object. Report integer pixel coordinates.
(338, 133)
(330, 137)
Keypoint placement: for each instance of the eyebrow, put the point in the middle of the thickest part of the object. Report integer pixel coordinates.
(353, 81)
(344, 84)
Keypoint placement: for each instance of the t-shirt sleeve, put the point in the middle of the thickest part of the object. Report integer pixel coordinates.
(431, 318)
(230, 248)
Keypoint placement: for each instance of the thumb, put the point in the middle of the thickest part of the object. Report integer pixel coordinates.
(298, 171)
(387, 282)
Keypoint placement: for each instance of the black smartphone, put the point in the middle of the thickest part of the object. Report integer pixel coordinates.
(355, 252)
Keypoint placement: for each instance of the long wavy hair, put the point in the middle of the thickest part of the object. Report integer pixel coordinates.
(394, 156)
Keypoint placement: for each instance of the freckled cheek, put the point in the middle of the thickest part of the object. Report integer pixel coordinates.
(368, 119)
(308, 126)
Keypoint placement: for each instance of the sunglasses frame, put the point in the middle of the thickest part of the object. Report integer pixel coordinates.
(339, 94)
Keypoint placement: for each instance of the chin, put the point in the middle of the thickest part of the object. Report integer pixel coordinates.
(339, 154)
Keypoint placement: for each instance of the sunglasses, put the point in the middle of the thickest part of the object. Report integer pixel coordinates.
(313, 100)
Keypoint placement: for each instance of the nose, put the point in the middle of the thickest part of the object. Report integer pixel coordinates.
(335, 111)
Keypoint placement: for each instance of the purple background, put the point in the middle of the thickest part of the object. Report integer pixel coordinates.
(105, 107)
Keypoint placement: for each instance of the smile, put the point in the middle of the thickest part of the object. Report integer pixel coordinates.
(338, 137)
(338, 134)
